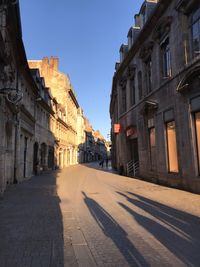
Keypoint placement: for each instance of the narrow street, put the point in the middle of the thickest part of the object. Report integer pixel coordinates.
(88, 216)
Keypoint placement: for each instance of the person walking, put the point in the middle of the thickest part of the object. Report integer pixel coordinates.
(102, 162)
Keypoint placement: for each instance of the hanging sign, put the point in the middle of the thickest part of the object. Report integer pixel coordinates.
(117, 128)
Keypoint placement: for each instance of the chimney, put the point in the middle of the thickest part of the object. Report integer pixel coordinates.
(45, 60)
(53, 63)
(137, 20)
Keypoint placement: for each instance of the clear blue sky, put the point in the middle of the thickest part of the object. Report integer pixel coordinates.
(86, 36)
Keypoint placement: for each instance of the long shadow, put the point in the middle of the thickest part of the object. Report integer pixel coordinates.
(175, 229)
(31, 226)
(115, 232)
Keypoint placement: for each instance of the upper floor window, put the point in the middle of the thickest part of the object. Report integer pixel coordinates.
(132, 91)
(196, 32)
(140, 85)
(166, 58)
(123, 103)
(148, 65)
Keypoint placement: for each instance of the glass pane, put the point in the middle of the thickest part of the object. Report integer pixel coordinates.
(172, 147)
(196, 38)
(132, 92)
(152, 147)
(197, 122)
(123, 99)
(168, 63)
(196, 15)
(140, 84)
(152, 137)
(149, 75)
(166, 60)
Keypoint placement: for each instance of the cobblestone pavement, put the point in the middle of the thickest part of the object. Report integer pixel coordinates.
(87, 216)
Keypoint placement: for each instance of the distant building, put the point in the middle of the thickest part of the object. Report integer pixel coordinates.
(94, 147)
(155, 99)
(65, 126)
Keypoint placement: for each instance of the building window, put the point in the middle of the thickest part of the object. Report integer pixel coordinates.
(148, 67)
(197, 126)
(152, 137)
(172, 147)
(166, 58)
(196, 32)
(132, 92)
(124, 104)
(152, 141)
(140, 85)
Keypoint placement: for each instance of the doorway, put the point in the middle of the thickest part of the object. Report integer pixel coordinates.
(35, 158)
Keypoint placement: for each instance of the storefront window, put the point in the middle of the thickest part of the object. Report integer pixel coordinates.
(172, 147)
(197, 124)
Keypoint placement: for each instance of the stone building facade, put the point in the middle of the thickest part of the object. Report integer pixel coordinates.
(65, 126)
(38, 116)
(94, 147)
(45, 114)
(17, 91)
(80, 135)
(155, 99)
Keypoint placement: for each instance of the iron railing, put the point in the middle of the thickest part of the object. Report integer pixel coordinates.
(132, 168)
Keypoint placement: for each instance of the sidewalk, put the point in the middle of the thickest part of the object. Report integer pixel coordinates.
(31, 226)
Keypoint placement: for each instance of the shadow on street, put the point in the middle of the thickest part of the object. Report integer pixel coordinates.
(178, 231)
(31, 227)
(115, 232)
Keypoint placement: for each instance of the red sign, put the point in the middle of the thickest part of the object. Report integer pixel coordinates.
(117, 128)
(131, 132)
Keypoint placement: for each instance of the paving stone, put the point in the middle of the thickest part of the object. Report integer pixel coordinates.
(86, 216)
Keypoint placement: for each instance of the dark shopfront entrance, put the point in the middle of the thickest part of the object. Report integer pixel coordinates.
(133, 149)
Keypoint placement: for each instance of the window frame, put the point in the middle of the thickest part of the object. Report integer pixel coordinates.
(167, 146)
(123, 99)
(148, 74)
(132, 92)
(166, 57)
(192, 23)
(197, 143)
(140, 85)
(152, 146)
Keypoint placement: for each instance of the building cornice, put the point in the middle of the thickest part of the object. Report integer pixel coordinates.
(73, 98)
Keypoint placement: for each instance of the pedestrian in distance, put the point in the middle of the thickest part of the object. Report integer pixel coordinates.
(107, 162)
(102, 162)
